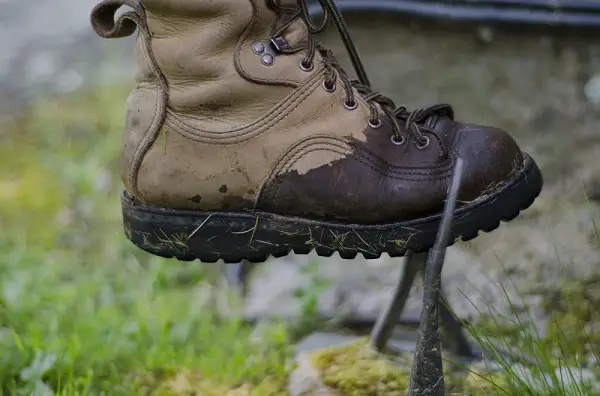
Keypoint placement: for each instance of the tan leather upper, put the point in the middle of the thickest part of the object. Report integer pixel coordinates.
(229, 119)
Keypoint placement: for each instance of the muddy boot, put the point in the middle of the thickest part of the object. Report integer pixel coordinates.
(245, 138)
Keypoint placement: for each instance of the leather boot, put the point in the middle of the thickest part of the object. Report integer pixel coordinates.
(245, 138)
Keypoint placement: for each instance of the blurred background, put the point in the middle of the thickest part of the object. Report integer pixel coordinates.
(68, 274)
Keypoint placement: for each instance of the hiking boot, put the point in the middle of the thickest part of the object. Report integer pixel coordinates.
(245, 138)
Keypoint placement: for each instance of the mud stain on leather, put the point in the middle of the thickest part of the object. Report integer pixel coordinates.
(361, 186)
(244, 173)
(196, 199)
(135, 121)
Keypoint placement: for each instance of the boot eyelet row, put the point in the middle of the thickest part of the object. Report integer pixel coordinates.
(376, 123)
(423, 145)
(306, 66)
(351, 105)
(397, 140)
(329, 87)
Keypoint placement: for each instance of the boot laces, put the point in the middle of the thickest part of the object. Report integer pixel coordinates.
(414, 121)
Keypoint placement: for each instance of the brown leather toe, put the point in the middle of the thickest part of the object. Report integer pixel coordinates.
(385, 182)
(491, 157)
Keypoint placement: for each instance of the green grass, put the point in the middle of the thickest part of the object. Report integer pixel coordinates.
(82, 312)
(553, 360)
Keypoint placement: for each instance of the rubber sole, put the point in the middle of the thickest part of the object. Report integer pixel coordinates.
(233, 237)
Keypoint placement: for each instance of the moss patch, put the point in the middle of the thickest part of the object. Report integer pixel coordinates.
(356, 370)
(190, 383)
(479, 383)
(574, 329)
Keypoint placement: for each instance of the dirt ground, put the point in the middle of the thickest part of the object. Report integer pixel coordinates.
(542, 86)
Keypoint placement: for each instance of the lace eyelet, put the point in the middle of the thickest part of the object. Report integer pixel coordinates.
(329, 87)
(351, 105)
(258, 48)
(267, 60)
(306, 67)
(398, 140)
(424, 144)
(376, 123)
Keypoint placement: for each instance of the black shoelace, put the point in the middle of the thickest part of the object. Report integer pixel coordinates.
(414, 120)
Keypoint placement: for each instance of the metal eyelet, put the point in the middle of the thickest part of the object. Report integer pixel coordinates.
(398, 140)
(376, 123)
(351, 105)
(267, 59)
(306, 68)
(423, 145)
(258, 48)
(329, 88)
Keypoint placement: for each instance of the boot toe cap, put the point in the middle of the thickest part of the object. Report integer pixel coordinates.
(491, 157)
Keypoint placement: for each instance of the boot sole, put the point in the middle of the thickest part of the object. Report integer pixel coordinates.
(233, 237)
